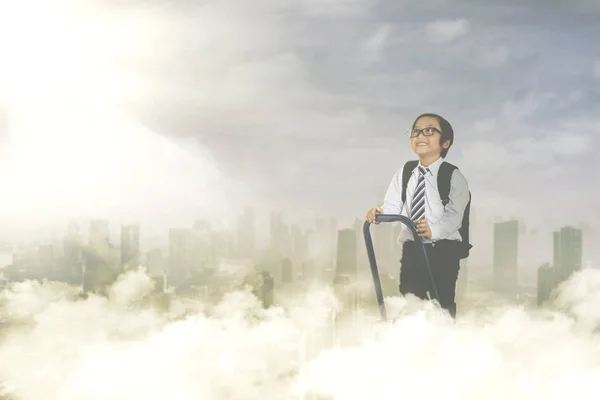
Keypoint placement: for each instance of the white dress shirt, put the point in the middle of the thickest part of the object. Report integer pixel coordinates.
(444, 222)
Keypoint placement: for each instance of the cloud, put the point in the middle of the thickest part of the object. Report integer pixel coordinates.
(446, 31)
(73, 141)
(486, 125)
(268, 91)
(573, 144)
(122, 346)
(515, 111)
(375, 44)
(493, 57)
(596, 69)
(330, 8)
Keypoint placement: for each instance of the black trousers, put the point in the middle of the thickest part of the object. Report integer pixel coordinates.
(444, 263)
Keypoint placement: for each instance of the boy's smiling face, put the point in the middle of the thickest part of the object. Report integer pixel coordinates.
(427, 146)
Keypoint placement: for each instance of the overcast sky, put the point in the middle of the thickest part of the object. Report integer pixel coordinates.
(304, 104)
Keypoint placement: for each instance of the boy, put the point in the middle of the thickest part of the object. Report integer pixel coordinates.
(430, 138)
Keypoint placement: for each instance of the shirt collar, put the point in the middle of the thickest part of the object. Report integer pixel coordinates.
(435, 166)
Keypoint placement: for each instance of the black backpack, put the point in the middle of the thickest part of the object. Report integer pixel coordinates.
(444, 175)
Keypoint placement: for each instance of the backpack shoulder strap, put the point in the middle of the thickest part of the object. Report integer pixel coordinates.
(444, 177)
(406, 172)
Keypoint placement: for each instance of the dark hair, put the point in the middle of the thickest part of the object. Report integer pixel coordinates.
(447, 131)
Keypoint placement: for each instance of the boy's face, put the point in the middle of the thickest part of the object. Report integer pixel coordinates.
(423, 145)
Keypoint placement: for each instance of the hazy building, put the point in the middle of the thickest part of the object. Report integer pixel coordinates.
(73, 259)
(346, 260)
(546, 282)
(300, 245)
(309, 270)
(567, 252)
(281, 244)
(361, 250)
(130, 246)
(506, 246)
(180, 250)
(101, 267)
(155, 262)
(47, 255)
(267, 289)
(246, 233)
(383, 244)
(99, 234)
(287, 271)
(568, 255)
(204, 253)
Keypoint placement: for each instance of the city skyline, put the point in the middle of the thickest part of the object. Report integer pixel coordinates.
(327, 249)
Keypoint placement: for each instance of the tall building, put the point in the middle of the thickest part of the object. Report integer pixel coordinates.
(308, 271)
(246, 233)
(180, 251)
(506, 246)
(383, 244)
(130, 246)
(567, 253)
(203, 253)
(99, 234)
(287, 271)
(267, 289)
(155, 262)
(73, 258)
(361, 250)
(346, 261)
(300, 245)
(281, 244)
(546, 281)
(47, 258)
(323, 242)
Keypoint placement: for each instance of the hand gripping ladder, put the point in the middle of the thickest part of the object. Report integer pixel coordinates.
(371, 253)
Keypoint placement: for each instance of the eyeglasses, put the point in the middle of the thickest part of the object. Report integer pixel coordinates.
(429, 131)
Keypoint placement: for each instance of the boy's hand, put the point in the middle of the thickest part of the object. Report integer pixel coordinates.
(371, 214)
(423, 228)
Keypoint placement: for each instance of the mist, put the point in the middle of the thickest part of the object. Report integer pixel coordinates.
(121, 346)
(70, 80)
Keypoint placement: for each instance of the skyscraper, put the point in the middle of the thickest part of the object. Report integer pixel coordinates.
(546, 281)
(287, 271)
(506, 240)
(568, 243)
(383, 244)
(130, 246)
(180, 250)
(99, 234)
(346, 262)
(568, 250)
(246, 233)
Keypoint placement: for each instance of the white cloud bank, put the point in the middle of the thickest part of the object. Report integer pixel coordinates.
(117, 348)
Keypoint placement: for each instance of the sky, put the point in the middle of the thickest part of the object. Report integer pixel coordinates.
(295, 105)
(166, 111)
(324, 92)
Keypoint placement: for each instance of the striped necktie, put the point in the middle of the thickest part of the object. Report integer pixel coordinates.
(418, 202)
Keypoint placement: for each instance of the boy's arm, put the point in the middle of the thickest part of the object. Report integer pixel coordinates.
(392, 202)
(454, 210)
